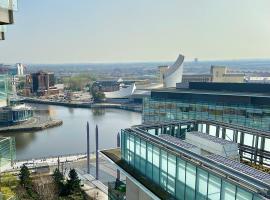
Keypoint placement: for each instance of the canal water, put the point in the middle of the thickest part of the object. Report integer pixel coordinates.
(70, 138)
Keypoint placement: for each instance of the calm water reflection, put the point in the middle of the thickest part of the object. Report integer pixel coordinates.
(71, 136)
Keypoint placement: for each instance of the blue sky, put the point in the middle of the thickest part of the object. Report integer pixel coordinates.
(67, 31)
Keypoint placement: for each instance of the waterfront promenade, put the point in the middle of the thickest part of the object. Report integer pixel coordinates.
(34, 124)
(97, 189)
(130, 107)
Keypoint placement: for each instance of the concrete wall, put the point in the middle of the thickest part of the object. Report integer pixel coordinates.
(133, 192)
(162, 70)
(219, 74)
(196, 78)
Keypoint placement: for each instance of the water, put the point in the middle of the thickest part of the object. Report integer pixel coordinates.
(70, 138)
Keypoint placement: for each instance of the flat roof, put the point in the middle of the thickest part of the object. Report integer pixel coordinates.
(176, 141)
(211, 138)
(160, 124)
(236, 172)
(245, 169)
(210, 92)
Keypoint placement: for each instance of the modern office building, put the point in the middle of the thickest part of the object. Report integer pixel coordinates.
(11, 113)
(160, 162)
(41, 84)
(207, 141)
(7, 152)
(244, 104)
(4, 89)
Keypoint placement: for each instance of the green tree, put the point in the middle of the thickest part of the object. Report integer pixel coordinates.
(97, 95)
(59, 182)
(78, 82)
(8, 180)
(73, 181)
(25, 179)
(58, 176)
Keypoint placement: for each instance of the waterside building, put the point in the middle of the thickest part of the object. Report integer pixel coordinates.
(207, 141)
(160, 163)
(41, 84)
(7, 152)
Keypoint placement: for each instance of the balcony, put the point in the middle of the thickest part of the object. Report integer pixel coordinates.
(6, 16)
(2, 32)
(115, 156)
(7, 7)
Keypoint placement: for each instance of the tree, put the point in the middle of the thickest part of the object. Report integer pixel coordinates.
(25, 179)
(74, 181)
(97, 95)
(58, 179)
(78, 82)
(8, 180)
(58, 176)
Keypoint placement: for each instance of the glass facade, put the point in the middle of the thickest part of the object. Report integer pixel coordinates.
(9, 116)
(251, 142)
(181, 178)
(7, 151)
(3, 90)
(166, 110)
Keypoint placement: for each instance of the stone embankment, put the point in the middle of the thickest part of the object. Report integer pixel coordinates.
(130, 107)
(32, 125)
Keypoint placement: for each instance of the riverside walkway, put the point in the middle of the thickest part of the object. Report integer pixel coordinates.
(130, 107)
(34, 124)
(94, 188)
(50, 161)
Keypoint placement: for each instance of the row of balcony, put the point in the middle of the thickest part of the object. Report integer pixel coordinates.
(7, 7)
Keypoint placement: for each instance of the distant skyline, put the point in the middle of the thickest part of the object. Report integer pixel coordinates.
(86, 31)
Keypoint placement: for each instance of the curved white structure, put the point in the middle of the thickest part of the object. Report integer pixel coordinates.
(123, 92)
(174, 73)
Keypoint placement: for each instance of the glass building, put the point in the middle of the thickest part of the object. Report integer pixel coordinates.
(7, 151)
(246, 105)
(172, 170)
(11, 113)
(4, 89)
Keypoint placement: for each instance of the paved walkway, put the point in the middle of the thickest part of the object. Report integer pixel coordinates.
(94, 192)
(33, 124)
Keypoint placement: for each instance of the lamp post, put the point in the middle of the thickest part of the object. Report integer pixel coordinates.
(88, 148)
(97, 158)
